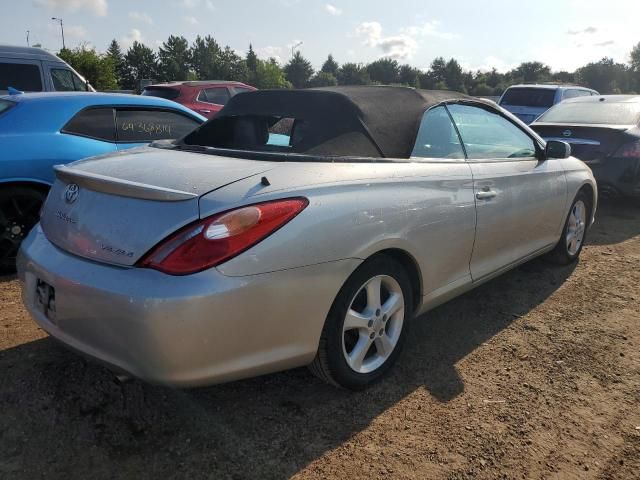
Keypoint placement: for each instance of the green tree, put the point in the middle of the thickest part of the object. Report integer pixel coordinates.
(330, 66)
(323, 79)
(174, 58)
(384, 71)
(454, 76)
(114, 52)
(606, 76)
(97, 69)
(409, 75)
(140, 63)
(532, 72)
(298, 71)
(251, 60)
(270, 75)
(353, 74)
(635, 67)
(205, 58)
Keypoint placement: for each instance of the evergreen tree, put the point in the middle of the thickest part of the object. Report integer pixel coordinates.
(140, 63)
(174, 58)
(330, 66)
(251, 60)
(114, 52)
(205, 58)
(298, 71)
(384, 71)
(353, 74)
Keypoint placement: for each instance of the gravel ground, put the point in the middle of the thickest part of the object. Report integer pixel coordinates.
(533, 375)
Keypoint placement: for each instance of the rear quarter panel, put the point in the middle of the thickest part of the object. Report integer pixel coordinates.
(355, 210)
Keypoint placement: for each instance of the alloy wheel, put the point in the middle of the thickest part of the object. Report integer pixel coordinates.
(373, 324)
(576, 227)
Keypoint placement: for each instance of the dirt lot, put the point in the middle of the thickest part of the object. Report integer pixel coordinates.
(534, 375)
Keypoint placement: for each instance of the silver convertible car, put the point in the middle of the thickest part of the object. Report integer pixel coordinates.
(296, 228)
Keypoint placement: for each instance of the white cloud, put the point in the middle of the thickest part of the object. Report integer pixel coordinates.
(141, 17)
(429, 29)
(190, 20)
(134, 35)
(271, 51)
(588, 30)
(399, 47)
(98, 7)
(332, 10)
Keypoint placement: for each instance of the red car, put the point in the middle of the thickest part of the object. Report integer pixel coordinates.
(205, 97)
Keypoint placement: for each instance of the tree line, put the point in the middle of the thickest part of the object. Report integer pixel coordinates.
(206, 59)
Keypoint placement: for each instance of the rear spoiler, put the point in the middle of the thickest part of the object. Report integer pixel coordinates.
(116, 186)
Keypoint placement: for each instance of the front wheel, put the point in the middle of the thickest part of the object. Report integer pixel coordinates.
(366, 326)
(574, 233)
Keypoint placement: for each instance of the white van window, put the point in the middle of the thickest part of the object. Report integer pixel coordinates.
(66, 81)
(21, 76)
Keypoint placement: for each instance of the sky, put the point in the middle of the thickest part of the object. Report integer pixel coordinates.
(564, 34)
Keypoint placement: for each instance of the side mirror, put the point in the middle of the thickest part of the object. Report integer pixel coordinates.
(557, 149)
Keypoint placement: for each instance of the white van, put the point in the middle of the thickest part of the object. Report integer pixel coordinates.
(31, 69)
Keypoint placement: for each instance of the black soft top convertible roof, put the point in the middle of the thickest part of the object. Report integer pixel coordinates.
(357, 121)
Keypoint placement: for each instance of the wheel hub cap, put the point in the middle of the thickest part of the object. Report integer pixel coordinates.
(16, 229)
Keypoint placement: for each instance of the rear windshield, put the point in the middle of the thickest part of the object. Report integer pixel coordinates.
(5, 105)
(21, 76)
(593, 113)
(529, 97)
(168, 93)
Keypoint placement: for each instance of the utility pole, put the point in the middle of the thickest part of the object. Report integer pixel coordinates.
(28, 39)
(293, 49)
(59, 20)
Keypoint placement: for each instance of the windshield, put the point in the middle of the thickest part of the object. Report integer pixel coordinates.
(529, 97)
(594, 113)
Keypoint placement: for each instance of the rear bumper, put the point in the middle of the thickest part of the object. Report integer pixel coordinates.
(184, 331)
(617, 176)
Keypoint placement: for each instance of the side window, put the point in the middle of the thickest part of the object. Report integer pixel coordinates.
(142, 126)
(219, 96)
(488, 135)
(66, 81)
(21, 76)
(437, 138)
(95, 123)
(573, 93)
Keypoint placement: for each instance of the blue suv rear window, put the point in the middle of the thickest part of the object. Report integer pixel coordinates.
(529, 97)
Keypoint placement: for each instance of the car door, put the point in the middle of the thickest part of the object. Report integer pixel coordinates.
(519, 199)
(447, 229)
(139, 126)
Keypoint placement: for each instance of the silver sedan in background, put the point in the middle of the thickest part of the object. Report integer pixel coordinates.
(296, 228)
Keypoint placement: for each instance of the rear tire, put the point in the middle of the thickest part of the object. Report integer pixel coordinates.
(366, 327)
(574, 232)
(19, 212)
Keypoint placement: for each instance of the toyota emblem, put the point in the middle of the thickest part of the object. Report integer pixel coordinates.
(71, 193)
(567, 133)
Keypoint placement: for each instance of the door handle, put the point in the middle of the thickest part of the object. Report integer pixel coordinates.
(486, 194)
(204, 111)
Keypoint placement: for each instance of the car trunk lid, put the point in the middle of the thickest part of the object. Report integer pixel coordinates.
(589, 143)
(116, 208)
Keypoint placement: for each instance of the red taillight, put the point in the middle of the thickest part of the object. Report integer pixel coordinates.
(221, 237)
(629, 150)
